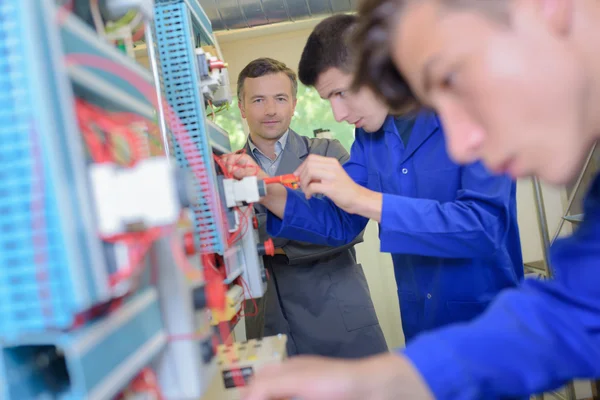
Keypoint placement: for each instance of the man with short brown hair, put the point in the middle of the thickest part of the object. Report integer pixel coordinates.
(317, 295)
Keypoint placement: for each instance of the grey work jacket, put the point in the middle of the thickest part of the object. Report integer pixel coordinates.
(317, 295)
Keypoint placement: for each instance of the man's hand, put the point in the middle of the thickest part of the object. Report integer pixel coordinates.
(383, 377)
(242, 165)
(325, 175)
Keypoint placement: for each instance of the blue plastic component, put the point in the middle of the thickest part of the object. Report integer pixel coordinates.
(48, 274)
(192, 147)
(94, 363)
(200, 21)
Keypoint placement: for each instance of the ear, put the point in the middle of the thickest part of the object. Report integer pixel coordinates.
(294, 102)
(241, 107)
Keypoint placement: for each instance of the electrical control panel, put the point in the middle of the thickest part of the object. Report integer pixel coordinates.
(126, 249)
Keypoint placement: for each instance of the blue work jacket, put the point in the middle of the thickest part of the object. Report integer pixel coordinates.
(452, 230)
(531, 339)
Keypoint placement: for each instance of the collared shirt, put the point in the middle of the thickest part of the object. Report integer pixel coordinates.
(268, 165)
(404, 126)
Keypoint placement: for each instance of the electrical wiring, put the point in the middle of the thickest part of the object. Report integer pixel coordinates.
(147, 129)
(139, 245)
(90, 117)
(222, 108)
(236, 236)
(246, 289)
(97, 17)
(212, 110)
(181, 136)
(139, 33)
(124, 21)
(146, 382)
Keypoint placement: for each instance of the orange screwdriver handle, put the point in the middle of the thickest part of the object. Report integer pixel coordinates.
(289, 180)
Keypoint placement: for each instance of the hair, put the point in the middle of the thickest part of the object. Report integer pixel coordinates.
(327, 47)
(265, 66)
(372, 40)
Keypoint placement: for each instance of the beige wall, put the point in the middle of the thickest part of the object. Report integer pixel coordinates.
(283, 42)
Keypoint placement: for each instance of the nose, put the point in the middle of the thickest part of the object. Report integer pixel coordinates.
(339, 109)
(270, 108)
(464, 136)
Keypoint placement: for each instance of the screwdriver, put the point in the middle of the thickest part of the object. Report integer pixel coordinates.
(289, 180)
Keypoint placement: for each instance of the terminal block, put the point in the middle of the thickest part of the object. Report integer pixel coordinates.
(242, 360)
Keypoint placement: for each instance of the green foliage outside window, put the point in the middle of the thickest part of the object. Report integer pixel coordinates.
(312, 113)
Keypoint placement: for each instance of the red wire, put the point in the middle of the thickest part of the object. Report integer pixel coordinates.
(139, 34)
(146, 382)
(253, 300)
(91, 115)
(139, 245)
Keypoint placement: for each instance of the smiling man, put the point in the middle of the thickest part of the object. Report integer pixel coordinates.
(452, 230)
(517, 84)
(317, 295)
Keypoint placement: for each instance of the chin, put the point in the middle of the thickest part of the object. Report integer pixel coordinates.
(369, 129)
(559, 175)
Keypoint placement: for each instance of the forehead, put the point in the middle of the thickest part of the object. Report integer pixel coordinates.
(332, 79)
(429, 32)
(269, 84)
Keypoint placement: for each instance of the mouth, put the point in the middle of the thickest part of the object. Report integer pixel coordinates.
(358, 123)
(268, 123)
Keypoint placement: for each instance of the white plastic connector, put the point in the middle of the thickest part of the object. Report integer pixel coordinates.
(240, 192)
(215, 87)
(145, 194)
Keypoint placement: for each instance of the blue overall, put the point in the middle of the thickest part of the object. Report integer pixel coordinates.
(531, 339)
(452, 230)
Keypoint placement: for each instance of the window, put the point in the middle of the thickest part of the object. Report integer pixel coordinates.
(312, 113)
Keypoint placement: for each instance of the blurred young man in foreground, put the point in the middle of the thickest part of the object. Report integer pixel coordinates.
(517, 84)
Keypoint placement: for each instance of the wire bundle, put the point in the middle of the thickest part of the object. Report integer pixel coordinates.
(117, 137)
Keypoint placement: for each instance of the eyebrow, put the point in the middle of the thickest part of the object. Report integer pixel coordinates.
(332, 92)
(262, 96)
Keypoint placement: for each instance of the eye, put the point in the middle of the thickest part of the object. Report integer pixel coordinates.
(448, 81)
(257, 100)
(281, 99)
(341, 94)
